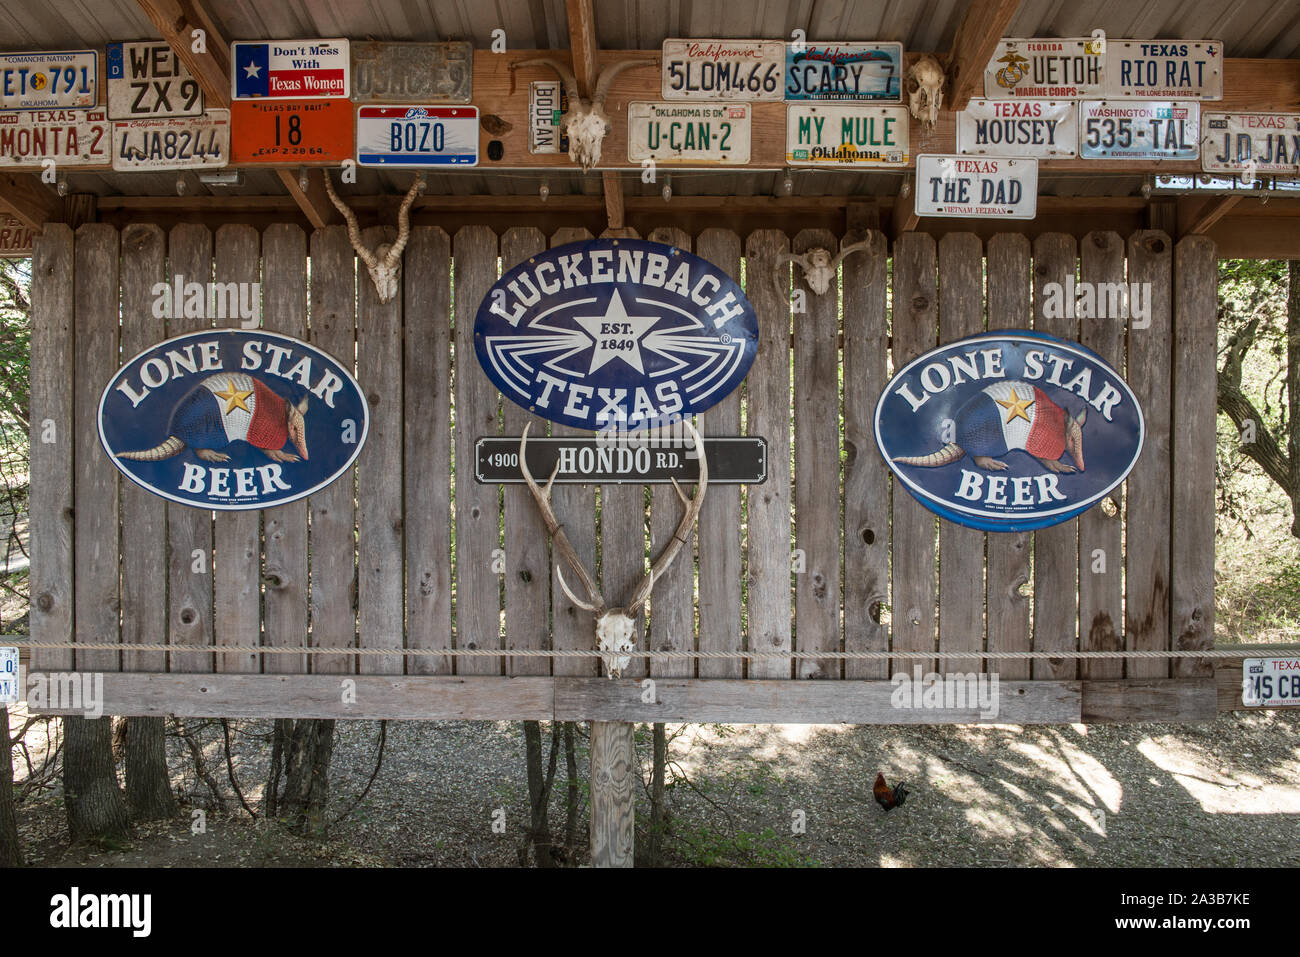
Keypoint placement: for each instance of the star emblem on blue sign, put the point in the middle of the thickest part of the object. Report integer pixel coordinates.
(616, 334)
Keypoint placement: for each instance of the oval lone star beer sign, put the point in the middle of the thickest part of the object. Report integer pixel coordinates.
(1009, 431)
(616, 334)
(233, 419)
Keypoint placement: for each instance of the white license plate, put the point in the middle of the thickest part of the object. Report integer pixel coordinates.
(172, 143)
(9, 676)
(1165, 69)
(42, 81)
(1270, 682)
(147, 81)
(1250, 142)
(845, 134)
(69, 137)
(715, 133)
(1140, 129)
(844, 71)
(1046, 69)
(1044, 129)
(547, 102)
(976, 187)
(723, 70)
(417, 136)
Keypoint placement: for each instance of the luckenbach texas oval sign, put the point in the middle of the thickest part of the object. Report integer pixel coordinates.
(233, 419)
(1009, 431)
(616, 334)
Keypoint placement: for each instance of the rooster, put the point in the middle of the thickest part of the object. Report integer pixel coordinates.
(886, 796)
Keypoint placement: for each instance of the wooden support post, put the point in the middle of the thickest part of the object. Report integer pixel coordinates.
(1162, 214)
(23, 196)
(582, 43)
(79, 209)
(905, 219)
(984, 24)
(314, 202)
(1197, 222)
(611, 794)
(613, 187)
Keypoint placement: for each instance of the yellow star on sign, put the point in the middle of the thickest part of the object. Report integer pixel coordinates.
(234, 397)
(1015, 405)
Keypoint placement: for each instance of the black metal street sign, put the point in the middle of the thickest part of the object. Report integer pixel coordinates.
(732, 461)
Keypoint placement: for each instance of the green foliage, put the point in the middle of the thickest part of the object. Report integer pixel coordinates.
(707, 847)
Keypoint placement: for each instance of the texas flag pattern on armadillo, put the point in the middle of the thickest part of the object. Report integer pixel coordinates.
(1012, 414)
(228, 407)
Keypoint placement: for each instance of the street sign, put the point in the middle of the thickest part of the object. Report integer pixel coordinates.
(65, 79)
(844, 71)
(983, 188)
(703, 133)
(415, 137)
(291, 133)
(638, 458)
(1140, 129)
(412, 72)
(1043, 129)
(1164, 69)
(845, 135)
(1250, 143)
(1265, 682)
(289, 69)
(146, 81)
(723, 70)
(172, 143)
(16, 238)
(547, 102)
(69, 137)
(1046, 69)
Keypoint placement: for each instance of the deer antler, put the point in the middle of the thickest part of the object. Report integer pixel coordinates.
(404, 221)
(354, 231)
(566, 74)
(849, 250)
(608, 74)
(801, 259)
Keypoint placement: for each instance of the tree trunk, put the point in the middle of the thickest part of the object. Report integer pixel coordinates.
(572, 791)
(306, 777)
(91, 795)
(11, 852)
(148, 782)
(657, 794)
(539, 790)
(1293, 390)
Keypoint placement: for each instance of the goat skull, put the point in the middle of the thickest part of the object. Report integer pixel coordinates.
(615, 627)
(586, 122)
(385, 263)
(818, 265)
(924, 101)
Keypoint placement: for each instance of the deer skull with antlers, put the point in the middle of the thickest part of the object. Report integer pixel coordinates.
(586, 123)
(385, 263)
(615, 627)
(818, 266)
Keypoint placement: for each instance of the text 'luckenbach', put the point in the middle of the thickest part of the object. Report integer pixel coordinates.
(950, 692)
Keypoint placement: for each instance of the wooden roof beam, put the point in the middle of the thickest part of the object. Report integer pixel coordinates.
(176, 21)
(1198, 220)
(984, 24)
(582, 43)
(26, 198)
(314, 202)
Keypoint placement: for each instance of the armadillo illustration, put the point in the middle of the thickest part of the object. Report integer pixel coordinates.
(1011, 415)
(228, 407)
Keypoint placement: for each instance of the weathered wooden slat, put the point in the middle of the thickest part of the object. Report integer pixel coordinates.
(915, 327)
(961, 549)
(768, 415)
(237, 536)
(1159, 699)
(426, 272)
(1192, 426)
(144, 515)
(1147, 557)
(53, 438)
(284, 569)
(478, 513)
(333, 508)
(1056, 549)
(1101, 568)
(613, 816)
(1009, 307)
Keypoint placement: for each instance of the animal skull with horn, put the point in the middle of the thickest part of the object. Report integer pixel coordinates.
(818, 266)
(385, 263)
(615, 627)
(586, 122)
(925, 90)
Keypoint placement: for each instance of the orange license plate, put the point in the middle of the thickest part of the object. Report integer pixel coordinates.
(291, 132)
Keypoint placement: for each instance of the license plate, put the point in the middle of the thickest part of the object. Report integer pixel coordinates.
(640, 461)
(172, 143)
(1270, 682)
(844, 71)
(547, 102)
(976, 188)
(69, 137)
(289, 69)
(1132, 129)
(1165, 69)
(42, 81)
(417, 136)
(1231, 142)
(688, 133)
(412, 72)
(9, 675)
(723, 70)
(16, 238)
(1045, 129)
(846, 134)
(146, 80)
(1046, 69)
(291, 133)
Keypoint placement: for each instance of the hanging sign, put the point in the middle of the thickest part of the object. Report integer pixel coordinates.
(172, 143)
(547, 102)
(638, 459)
(294, 132)
(616, 334)
(844, 71)
(289, 69)
(69, 137)
(44, 81)
(233, 419)
(1265, 682)
(414, 137)
(16, 238)
(1164, 69)
(1046, 69)
(147, 81)
(704, 133)
(1009, 431)
(412, 72)
(845, 134)
(1043, 129)
(1250, 143)
(723, 70)
(967, 187)
(1140, 129)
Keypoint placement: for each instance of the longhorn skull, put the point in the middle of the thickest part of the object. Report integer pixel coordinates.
(586, 123)
(385, 263)
(818, 266)
(615, 627)
(925, 90)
